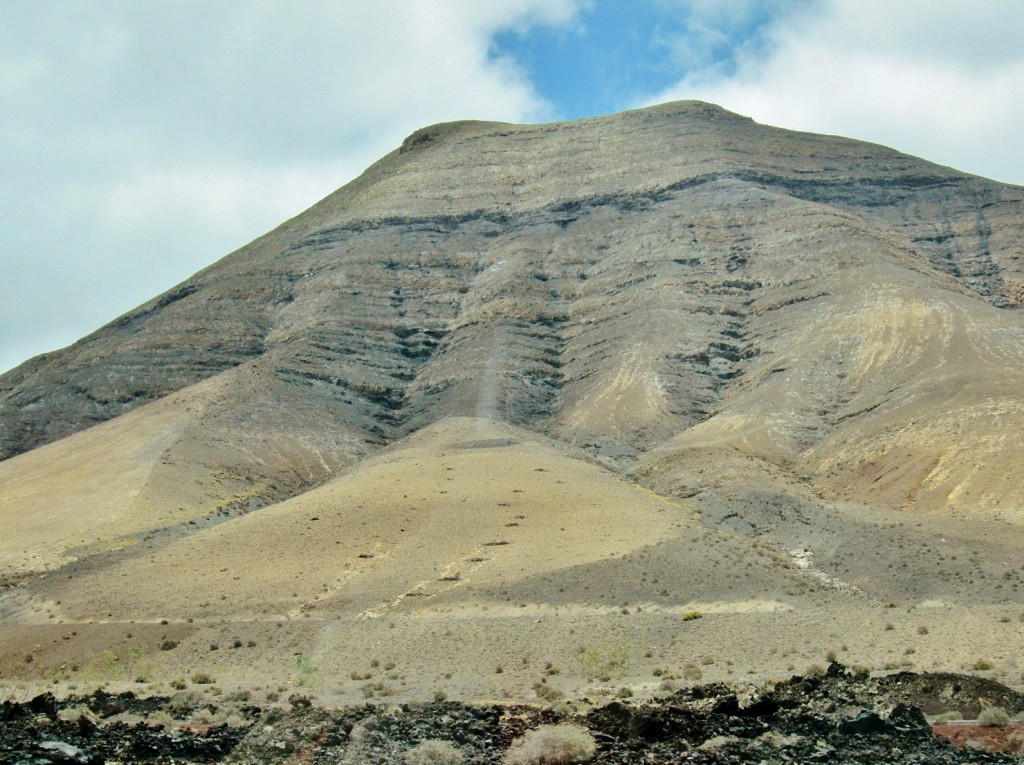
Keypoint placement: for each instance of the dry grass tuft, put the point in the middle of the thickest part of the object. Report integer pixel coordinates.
(561, 744)
(434, 752)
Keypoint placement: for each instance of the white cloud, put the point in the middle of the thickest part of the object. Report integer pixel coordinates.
(940, 79)
(142, 141)
(20, 74)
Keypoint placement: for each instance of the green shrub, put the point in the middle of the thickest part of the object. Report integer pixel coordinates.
(561, 744)
(201, 678)
(982, 665)
(306, 670)
(689, 616)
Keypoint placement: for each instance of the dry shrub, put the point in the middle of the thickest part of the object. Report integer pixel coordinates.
(548, 692)
(162, 718)
(434, 752)
(1015, 743)
(994, 717)
(183, 701)
(561, 744)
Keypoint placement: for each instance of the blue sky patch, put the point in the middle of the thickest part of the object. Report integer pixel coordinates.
(622, 52)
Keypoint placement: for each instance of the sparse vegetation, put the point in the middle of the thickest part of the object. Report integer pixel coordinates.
(376, 690)
(690, 616)
(201, 678)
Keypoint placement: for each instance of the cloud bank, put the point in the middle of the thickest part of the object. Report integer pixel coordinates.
(941, 79)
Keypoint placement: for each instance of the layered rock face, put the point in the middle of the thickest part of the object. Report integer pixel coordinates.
(679, 290)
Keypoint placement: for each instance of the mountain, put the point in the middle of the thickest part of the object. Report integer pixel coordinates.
(588, 376)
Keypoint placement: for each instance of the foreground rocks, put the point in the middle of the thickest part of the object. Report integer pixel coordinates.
(838, 717)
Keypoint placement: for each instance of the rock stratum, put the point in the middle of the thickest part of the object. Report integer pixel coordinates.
(536, 391)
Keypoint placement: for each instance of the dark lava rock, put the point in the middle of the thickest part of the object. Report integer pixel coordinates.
(802, 720)
(59, 752)
(864, 722)
(44, 704)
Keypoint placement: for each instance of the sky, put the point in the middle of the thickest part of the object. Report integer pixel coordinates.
(142, 140)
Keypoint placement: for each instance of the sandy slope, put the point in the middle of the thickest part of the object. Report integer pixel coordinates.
(83, 492)
(465, 508)
(468, 547)
(185, 458)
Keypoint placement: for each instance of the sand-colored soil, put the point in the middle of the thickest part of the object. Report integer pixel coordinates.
(477, 559)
